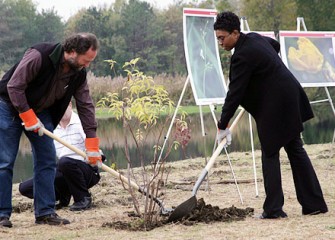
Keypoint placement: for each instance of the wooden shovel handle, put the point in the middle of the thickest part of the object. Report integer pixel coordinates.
(223, 142)
(83, 154)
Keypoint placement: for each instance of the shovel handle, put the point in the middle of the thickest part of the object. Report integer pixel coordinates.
(83, 154)
(224, 141)
(215, 155)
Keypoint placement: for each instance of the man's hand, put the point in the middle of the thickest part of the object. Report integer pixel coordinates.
(93, 154)
(224, 134)
(31, 122)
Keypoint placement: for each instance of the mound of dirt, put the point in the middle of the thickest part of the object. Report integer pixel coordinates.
(205, 213)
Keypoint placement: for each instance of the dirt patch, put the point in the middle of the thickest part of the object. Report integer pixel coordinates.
(205, 213)
(113, 208)
(22, 207)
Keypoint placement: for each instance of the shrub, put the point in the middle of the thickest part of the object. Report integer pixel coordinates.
(139, 105)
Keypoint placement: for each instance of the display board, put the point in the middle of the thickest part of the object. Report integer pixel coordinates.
(309, 56)
(202, 56)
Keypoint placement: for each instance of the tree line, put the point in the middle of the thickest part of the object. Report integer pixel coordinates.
(128, 29)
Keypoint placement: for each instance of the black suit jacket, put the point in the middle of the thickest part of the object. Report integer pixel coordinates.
(261, 83)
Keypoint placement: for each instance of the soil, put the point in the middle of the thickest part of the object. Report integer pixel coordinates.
(224, 210)
(203, 212)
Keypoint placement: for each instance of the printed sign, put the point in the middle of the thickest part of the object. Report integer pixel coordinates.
(202, 56)
(309, 56)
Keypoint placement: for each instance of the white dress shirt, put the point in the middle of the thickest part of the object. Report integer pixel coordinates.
(73, 134)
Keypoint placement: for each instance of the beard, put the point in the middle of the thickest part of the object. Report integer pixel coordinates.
(73, 64)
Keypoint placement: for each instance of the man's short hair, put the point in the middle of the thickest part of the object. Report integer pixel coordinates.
(81, 43)
(227, 21)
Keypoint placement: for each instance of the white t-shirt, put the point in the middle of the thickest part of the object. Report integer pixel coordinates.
(72, 134)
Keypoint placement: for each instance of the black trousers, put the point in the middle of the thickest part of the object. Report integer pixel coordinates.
(79, 177)
(307, 186)
(62, 192)
(73, 177)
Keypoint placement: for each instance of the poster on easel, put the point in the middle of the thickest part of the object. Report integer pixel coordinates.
(202, 56)
(309, 56)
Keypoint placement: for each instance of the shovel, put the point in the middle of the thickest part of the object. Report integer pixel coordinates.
(104, 167)
(187, 207)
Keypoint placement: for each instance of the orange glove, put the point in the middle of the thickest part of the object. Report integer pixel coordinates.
(93, 154)
(31, 122)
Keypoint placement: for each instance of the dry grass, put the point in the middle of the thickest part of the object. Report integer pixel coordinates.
(111, 203)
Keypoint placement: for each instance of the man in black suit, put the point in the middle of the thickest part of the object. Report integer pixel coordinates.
(261, 83)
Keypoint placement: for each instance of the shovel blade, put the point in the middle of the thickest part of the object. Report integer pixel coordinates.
(183, 209)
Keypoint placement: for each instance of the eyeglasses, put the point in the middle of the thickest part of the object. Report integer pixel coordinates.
(222, 38)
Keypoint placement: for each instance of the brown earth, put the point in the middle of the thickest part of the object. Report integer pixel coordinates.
(202, 212)
(221, 213)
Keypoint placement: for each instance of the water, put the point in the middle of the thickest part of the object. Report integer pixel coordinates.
(112, 137)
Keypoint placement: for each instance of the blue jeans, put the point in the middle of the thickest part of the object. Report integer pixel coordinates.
(44, 157)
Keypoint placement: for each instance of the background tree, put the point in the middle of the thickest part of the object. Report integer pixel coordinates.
(50, 26)
(97, 21)
(140, 32)
(170, 43)
(21, 26)
(270, 15)
(129, 29)
(318, 15)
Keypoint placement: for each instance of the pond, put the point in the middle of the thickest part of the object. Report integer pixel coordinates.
(112, 137)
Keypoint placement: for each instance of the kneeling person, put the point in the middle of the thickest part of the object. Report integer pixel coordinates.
(74, 176)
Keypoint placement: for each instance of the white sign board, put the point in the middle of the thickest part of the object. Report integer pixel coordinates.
(202, 56)
(309, 56)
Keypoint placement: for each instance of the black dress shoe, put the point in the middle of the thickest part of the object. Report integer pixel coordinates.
(51, 219)
(280, 214)
(84, 204)
(306, 211)
(4, 222)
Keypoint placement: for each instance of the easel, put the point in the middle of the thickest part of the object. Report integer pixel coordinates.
(194, 13)
(202, 130)
(244, 22)
(300, 21)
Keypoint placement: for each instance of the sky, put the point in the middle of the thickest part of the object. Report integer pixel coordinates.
(66, 8)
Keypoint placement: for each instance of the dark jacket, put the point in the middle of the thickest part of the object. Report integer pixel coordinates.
(261, 83)
(51, 57)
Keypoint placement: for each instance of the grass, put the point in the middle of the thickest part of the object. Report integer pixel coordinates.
(105, 113)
